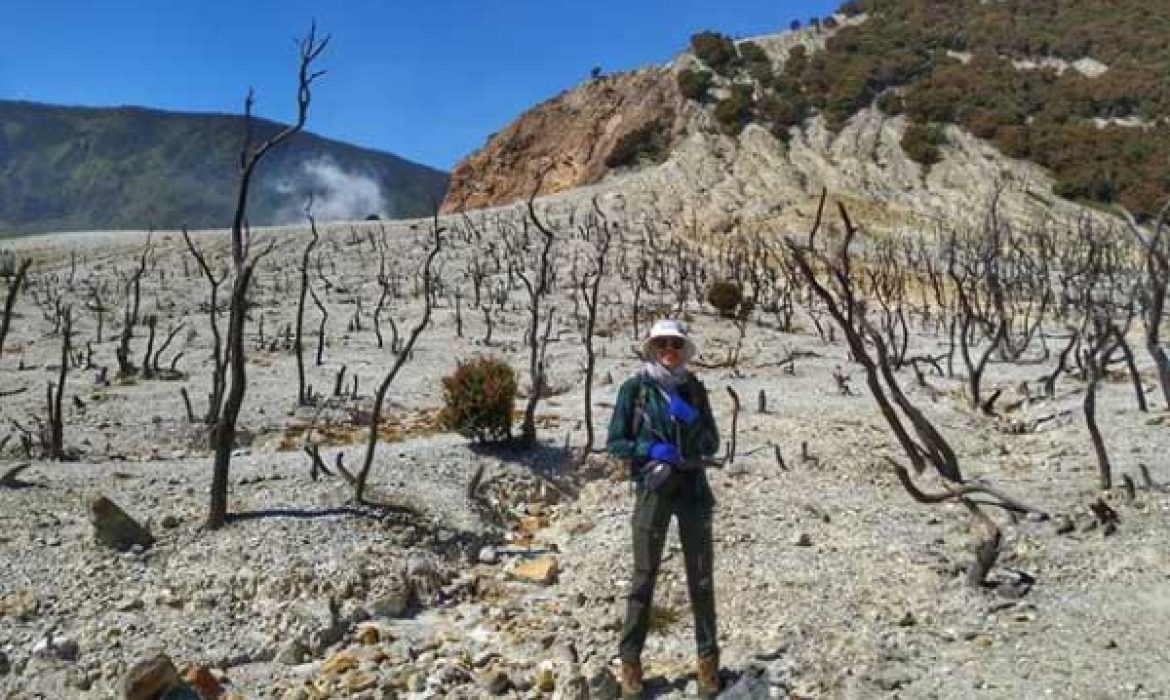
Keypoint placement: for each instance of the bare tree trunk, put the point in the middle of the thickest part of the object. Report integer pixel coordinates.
(590, 292)
(536, 292)
(151, 325)
(321, 326)
(225, 428)
(1156, 282)
(14, 287)
(399, 361)
(298, 345)
(56, 446)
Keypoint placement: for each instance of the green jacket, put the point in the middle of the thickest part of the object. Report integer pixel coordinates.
(694, 442)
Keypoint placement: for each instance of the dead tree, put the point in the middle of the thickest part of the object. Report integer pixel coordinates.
(55, 445)
(132, 286)
(320, 326)
(303, 399)
(98, 306)
(15, 284)
(590, 292)
(538, 289)
(218, 356)
(974, 278)
(243, 264)
(399, 360)
(1155, 246)
(153, 361)
(838, 295)
(1098, 348)
(384, 286)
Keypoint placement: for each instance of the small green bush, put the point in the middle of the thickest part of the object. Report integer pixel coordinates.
(717, 51)
(756, 61)
(694, 84)
(726, 297)
(733, 112)
(646, 143)
(921, 142)
(478, 399)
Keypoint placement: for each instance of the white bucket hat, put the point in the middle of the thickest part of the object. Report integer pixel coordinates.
(669, 328)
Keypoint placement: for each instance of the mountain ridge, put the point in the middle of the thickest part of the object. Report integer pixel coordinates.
(75, 167)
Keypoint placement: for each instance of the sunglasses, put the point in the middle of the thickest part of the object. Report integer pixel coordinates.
(669, 343)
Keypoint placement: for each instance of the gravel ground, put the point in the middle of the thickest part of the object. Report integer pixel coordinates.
(831, 581)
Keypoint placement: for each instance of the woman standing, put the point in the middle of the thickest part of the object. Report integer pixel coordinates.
(662, 424)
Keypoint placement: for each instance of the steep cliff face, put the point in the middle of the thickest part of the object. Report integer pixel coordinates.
(564, 142)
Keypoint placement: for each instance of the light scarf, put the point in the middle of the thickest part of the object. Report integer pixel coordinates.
(668, 380)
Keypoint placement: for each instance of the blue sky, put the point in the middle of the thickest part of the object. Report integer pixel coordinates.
(429, 81)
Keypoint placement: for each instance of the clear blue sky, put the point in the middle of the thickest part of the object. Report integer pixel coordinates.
(428, 81)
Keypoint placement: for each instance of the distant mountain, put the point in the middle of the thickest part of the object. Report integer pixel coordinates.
(81, 168)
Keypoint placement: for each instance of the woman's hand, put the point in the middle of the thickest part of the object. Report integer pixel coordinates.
(665, 452)
(682, 411)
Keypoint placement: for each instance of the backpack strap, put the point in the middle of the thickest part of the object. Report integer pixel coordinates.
(639, 408)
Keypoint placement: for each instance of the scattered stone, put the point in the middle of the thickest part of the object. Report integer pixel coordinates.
(1063, 525)
(170, 522)
(393, 605)
(114, 528)
(488, 555)
(23, 605)
(358, 681)
(576, 688)
(801, 539)
(340, 663)
(603, 685)
(416, 683)
(567, 653)
(149, 678)
(749, 686)
(62, 648)
(203, 681)
(542, 570)
(495, 681)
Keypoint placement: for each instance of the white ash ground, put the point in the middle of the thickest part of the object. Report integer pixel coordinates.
(873, 606)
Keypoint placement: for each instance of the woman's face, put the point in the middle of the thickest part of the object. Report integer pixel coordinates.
(669, 351)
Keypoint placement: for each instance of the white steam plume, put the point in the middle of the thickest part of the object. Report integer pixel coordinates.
(337, 195)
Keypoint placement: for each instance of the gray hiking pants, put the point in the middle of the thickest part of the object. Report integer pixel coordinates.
(650, 521)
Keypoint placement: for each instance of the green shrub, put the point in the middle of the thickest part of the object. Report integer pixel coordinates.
(733, 112)
(781, 113)
(921, 142)
(717, 51)
(726, 297)
(756, 61)
(694, 84)
(478, 399)
(891, 103)
(646, 143)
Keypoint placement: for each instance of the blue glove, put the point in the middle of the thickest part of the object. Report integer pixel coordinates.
(665, 452)
(682, 411)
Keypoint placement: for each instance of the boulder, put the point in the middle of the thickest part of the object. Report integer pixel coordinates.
(114, 528)
(542, 570)
(149, 678)
(747, 687)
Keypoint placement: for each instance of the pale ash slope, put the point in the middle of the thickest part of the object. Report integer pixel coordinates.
(873, 607)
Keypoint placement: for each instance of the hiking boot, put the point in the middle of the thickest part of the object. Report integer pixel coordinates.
(631, 680)
(708, 676)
